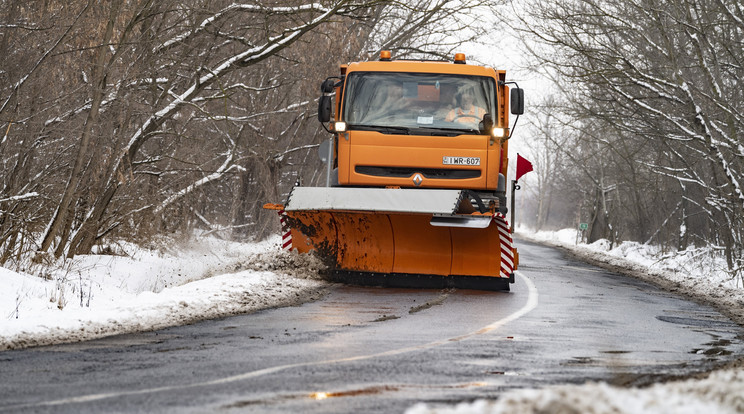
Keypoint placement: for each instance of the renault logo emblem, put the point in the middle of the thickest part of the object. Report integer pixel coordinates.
(418, 179)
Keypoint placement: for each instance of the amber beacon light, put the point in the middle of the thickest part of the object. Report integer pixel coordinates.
(460, 58)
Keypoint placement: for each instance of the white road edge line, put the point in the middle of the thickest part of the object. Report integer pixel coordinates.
(530, 304)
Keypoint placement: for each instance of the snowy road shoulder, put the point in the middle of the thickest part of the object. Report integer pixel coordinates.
(96, 296)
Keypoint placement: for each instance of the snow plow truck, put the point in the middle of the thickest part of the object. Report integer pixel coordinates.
(416, 177)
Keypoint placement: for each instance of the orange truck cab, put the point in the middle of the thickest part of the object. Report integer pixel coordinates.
(421, 124)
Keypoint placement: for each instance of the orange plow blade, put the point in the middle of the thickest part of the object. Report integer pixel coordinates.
(404, 248)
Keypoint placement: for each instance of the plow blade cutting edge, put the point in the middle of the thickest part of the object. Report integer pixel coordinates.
(400, 237)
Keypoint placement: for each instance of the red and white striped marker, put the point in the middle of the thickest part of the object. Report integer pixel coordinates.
(507, 252)
(286, 231)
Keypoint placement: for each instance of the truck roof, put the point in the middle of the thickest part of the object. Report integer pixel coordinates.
(418, 66)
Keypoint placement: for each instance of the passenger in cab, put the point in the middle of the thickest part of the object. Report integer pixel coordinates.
(390, 104)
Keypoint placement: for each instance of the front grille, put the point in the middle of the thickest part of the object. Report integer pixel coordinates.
(404, 172)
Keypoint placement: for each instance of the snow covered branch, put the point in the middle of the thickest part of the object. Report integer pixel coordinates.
(21, 197)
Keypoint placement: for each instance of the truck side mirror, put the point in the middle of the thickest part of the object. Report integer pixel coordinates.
(324, 108)
(324, 103)
(517, 101)
(327, 86)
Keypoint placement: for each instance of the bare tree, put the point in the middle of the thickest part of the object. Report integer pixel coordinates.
(546, 154)
(661, 83)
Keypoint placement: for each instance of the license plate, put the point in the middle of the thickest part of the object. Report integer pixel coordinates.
(461, 160)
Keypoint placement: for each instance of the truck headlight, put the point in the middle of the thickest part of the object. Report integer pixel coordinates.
(499, 132)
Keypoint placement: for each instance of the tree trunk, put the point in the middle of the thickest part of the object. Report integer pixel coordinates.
(60, 218)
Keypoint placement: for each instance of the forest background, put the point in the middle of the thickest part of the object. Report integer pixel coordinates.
(144, 120)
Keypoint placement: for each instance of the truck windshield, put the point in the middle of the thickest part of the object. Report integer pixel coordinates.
(418, 103)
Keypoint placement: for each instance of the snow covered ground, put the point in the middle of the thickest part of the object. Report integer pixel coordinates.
(138, 289)
(698, 273)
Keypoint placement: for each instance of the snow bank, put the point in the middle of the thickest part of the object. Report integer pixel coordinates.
(99, 295)
(698, 273)
(720, 393)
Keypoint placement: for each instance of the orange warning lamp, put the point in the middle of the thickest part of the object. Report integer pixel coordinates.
(385, 56)
(460, 58)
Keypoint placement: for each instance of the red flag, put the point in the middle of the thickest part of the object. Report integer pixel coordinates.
(523, 166)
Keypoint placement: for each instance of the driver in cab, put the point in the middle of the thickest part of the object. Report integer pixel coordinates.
(466, 113)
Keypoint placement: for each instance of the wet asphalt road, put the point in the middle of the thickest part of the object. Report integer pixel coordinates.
(383, 350)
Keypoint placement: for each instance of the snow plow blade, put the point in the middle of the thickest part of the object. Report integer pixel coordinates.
(400, 237)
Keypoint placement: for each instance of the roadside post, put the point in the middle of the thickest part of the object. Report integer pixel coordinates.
(580, 235)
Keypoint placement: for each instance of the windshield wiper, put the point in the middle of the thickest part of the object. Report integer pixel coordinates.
(454, 130)
(383, 129)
